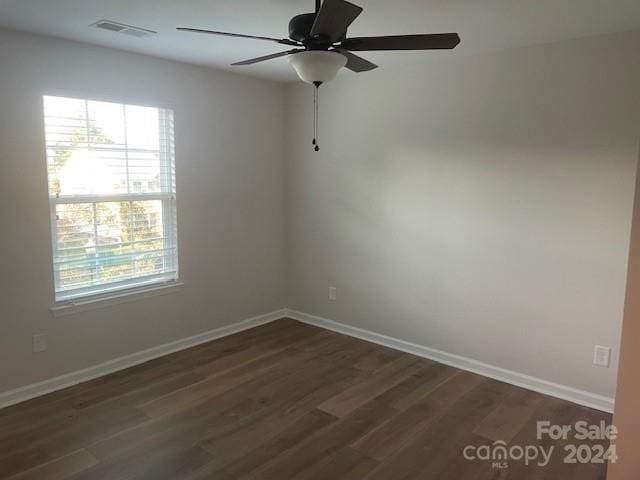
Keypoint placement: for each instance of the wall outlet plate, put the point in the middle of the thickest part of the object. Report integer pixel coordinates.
(602, 356)
(39, 342)
(333, 293)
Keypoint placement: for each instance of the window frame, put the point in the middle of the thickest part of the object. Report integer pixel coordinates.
(148, 285)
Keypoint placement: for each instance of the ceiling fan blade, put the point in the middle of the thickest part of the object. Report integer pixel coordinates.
(434, 41)
(355, 63)
(266, 57)
(333, 19)
(283, 41)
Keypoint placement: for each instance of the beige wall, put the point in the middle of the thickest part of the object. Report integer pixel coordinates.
(627, 417)
(478, 205)
(229, 163)
(481, 206)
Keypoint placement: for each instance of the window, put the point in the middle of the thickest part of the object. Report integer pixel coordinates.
(112, 196)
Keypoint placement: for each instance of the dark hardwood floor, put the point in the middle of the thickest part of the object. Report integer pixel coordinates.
(283, 401)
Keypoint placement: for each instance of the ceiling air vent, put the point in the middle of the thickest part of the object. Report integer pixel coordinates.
(132, 31)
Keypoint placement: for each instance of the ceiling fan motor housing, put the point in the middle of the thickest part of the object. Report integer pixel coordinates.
(300, 29)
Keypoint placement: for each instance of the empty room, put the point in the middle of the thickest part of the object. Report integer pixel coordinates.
(319, 240)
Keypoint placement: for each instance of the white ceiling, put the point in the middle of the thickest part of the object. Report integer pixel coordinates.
(484, 25)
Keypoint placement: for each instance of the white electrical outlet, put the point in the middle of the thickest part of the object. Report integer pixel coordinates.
(602, 356)
(39, 343)
(333, 293)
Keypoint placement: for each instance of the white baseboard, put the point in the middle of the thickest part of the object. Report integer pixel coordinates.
(564, 392)
(579, 397)
(21, 394)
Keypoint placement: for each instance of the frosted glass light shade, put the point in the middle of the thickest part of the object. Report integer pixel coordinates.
(317, 65)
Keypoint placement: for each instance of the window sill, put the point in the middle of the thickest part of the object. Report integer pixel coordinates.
(131, 295)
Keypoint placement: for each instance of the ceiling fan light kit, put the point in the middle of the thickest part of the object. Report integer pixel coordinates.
(317, 66)
(322, 46)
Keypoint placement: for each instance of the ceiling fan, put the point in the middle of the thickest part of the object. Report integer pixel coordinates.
(322, 47)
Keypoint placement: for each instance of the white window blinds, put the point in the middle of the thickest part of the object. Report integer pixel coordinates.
(112, 195)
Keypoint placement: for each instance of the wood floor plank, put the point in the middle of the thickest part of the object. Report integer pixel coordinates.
(279, 446)
(277, 402)
(223, 416)
(61, 468)
(346, 463)
(430, 451)
(163, 463)
(22, 458)
(389, 437)
(57, 439)
(326, 441)
(282, 401)
(385, 378)
(199, 360)
(418, 386)
(377, 359)
(186, 429)
(271, 363)
(510, 417)
(445, 439)
(341, 351)
(277, 418)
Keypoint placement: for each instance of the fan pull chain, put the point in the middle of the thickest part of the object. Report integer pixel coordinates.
(316, 104)
(314, 116)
